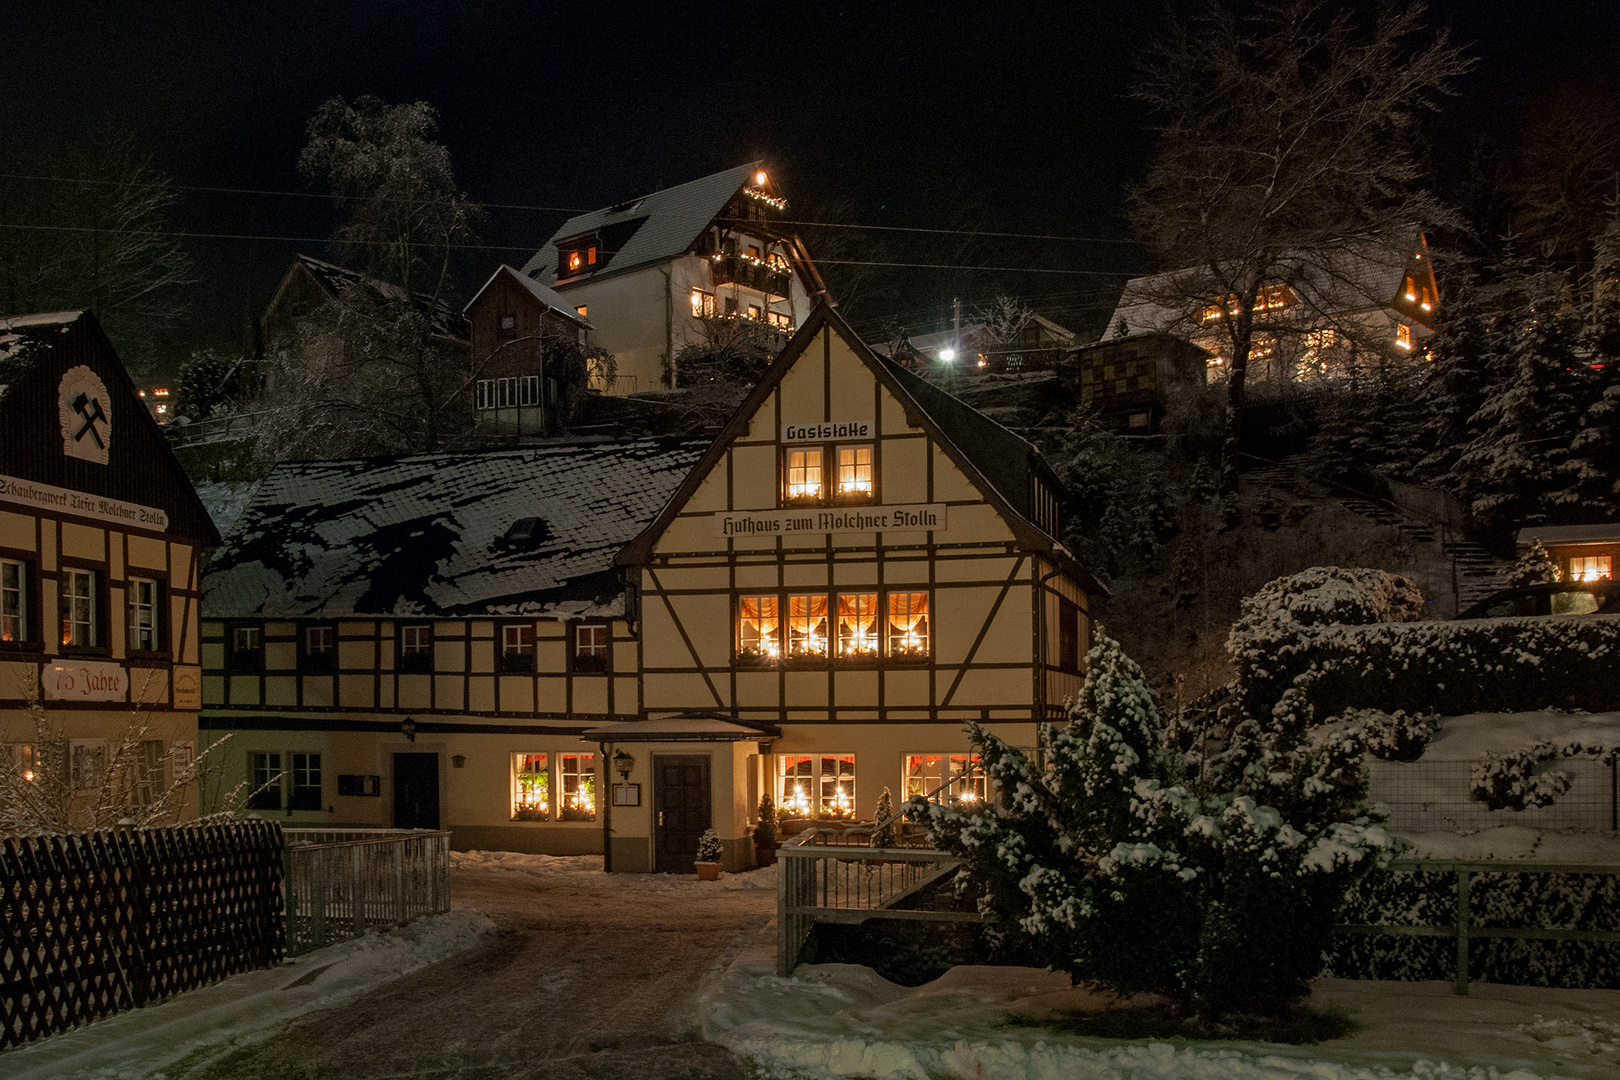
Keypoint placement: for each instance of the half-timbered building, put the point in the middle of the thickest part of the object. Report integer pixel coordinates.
(101, 535)
(654, 635)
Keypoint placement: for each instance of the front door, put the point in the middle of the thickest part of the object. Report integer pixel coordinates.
(416, 791)
(681, 811)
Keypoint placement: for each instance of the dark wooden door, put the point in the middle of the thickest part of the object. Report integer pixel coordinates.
(416, 791)
(681, 811)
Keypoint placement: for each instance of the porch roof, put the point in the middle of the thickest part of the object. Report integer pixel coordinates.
(683, 727)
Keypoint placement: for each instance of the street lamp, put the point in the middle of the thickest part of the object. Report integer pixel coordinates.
(947, 354)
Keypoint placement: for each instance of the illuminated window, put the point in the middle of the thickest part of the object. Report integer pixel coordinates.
(517, 647)
(854, 472)
(14, 588)
(576, 260)
(702, 304)
(857, 626)
(141, 602)
(759, 624)
(77, 606)
(926, 775)
(753, 312)
(807, 626)
(804, 474)
(576, 797)
(416, 647)
(590, 647)
(908, 625)
(1403, 336)
(531, 787)
(779, 319)
(816, 785)
(580, 311)
(590, 256)
(1591, 568)
(26, 758)
(753, 252)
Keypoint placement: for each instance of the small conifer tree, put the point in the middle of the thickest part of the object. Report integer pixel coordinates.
(883, 834)
(708, 849)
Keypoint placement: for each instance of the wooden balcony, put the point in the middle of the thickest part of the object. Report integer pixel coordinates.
(751, 274)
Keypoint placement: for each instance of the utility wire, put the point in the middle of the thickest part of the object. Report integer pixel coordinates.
(959, 266)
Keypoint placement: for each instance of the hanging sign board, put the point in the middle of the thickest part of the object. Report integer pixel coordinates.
(827, 431)
(80, 504)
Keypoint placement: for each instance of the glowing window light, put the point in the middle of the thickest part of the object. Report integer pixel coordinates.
(857, 626)
(804, 474)
(855, 470)
(1591, 568)
(837, 785)
(759, 622)
(577, 797)
(908, 624)
(531, 787)
(807, 626)
(1403, 336)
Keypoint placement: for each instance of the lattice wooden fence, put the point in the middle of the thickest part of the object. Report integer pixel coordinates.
(96, 923)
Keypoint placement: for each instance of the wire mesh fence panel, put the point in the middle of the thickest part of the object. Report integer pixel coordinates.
(1435, 795)
(364, 880)
(96, 923)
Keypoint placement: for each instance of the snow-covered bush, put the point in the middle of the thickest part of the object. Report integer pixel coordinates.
(708, 849)
(1105, 864)
(1535, 567)
(1394, 736)
(1509, 781)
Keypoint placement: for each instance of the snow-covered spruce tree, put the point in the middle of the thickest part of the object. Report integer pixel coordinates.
(1219, 897)
(883, 834)
(1535, 567)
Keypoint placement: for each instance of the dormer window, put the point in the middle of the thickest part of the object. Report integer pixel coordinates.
(576, 261)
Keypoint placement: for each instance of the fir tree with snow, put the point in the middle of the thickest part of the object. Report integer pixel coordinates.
(1535, 567)
(708, 849)
(883, 834)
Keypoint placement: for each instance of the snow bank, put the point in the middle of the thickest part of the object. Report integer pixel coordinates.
(561, 866)
(1471, 736)
(201, 1025)
(841, 1020)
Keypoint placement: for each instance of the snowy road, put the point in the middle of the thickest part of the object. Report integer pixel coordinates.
(550, 969)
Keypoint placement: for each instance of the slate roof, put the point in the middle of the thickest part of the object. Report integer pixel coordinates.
(433, 534)
(444, 319)
(1351, 276)
(660, 226)
(547, 296)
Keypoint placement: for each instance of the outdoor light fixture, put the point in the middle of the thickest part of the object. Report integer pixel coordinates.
(759, 178)
(458, 761)
(408, 729)
(947, 354)
(623, 762)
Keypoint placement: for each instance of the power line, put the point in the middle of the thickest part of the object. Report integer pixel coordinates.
(961, 232)
(286, 194)
(959, 266)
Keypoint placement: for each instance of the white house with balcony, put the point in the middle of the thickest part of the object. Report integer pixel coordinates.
(679, 267)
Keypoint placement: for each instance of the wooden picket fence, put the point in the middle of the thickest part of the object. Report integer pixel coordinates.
(96, 923)
(340, 883)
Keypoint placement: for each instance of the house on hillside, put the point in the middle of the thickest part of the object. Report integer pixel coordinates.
(609, 646)
(679, 267)
(1321, 316)
(1127, 380)
(1038, 346)
(1582, 552)
(515, 323)
(101, 537)
(310, 284)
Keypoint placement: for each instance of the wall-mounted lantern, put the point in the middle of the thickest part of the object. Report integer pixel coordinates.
(408, 729)
(458, 761)
(623, 762)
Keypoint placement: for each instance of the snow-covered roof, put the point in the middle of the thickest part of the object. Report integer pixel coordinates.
(547, 296)
(47, 318)
(683, 727)
(1606, 533)
(1351, 276)
(442, 316)
(520, 532)
(660, 226)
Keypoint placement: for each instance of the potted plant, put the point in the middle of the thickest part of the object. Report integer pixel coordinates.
(765, 833)
(708, 856)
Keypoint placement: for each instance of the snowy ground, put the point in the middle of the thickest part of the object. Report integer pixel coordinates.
(839, 1020)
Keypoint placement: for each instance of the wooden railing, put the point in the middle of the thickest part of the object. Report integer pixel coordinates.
(1463, 927)
(831, 876)
(341, 883)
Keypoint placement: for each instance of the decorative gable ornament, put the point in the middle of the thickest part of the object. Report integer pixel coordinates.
(85, 410)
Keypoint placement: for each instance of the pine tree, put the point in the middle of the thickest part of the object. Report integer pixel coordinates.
(883, 834)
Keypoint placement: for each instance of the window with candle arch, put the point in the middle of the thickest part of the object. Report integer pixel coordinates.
(909, 627)
(857, 626)
(804, 480)
(818, 785)
(855, 474)
(759, 625)
(945, 778)
(807, 626)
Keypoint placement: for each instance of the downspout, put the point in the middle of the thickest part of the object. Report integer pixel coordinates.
(607, 805)
(1041, 640)
(669, 326)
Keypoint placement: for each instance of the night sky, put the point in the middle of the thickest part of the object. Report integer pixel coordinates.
(999, 116)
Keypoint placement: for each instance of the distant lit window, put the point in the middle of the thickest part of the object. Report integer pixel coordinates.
(807, 627)
(753, 312)
(857, 626)
(1403, 336)
(854, 472)
(702, 304)
(945, 777)
(580, 311)
(76, 593)
(753, 252)
(576, 795)
(14, 590)
(531, 787)
(908, 625)
(804, 474)
(781, 320)
(759, 624)
(590, 256)
(141, 601)
(576, 261)
(1591, 568)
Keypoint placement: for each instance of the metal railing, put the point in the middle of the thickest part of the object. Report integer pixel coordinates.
(1463, 927)
(1434, 795)
(827, 876)
(340, 883)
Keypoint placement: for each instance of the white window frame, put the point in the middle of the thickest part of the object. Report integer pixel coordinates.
(529, 390)
(812, 802)
(538, 811)
(77, 593)
(143, 612)
(583, 773)
(15, 584)
(932, 782)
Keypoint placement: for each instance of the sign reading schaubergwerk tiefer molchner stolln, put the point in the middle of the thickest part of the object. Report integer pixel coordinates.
(924, 517)
(82, 504)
